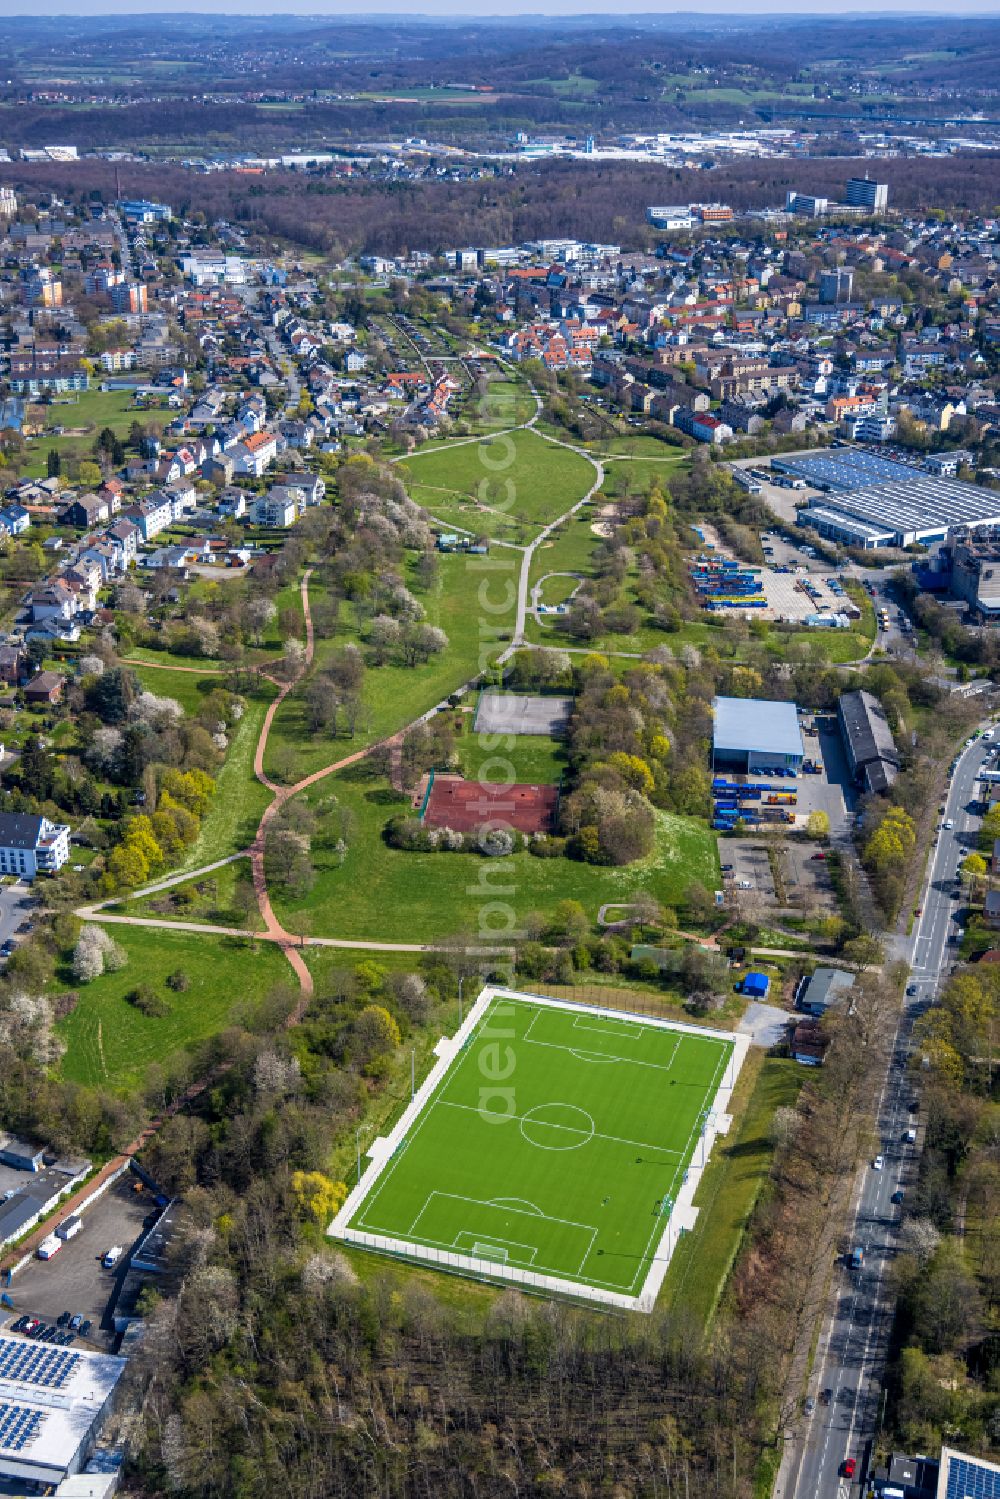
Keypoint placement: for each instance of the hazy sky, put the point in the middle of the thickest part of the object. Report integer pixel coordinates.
(495, 9)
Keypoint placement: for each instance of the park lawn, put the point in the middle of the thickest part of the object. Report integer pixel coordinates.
(92, 409)
(187, 687)
(505, 403)
(141, 655)
(109, 1043)
(638, 445)
(211, 899)
(519, 473)
(529, 759)
(459, 513)
(834, 646)
(730, 1187)
(472, 601)
(427, 897)
(570, 548)
(239, 801)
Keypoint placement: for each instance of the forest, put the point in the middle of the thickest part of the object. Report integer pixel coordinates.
(338, 216)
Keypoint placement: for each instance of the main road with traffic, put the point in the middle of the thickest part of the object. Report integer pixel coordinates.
(834, 1431)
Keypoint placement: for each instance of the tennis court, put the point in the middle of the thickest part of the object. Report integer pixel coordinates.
(522, 713)
(553, 1144)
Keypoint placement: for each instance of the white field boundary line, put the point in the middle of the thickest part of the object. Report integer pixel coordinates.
(665, 1248)
(382, 1154)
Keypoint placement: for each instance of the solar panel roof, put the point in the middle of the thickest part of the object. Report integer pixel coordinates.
(963, 1477)
(846, 468)
(19, 1425)
(27, 1363)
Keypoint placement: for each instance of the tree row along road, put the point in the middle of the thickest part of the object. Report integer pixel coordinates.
(290, 943)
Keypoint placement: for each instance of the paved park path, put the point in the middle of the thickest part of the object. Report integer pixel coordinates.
(292, 944)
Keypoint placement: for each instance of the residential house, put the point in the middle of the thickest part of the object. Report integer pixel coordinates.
(278, 509)
(86, 511)
(52, 600)
(219, 470)
(151, 516)
(124, 537)
(46, 687)
(311, 486)
(15, 519)
(14, 665)
(233, 502)
(255, 455)
(31, 845)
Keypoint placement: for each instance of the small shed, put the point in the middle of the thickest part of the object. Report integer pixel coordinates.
(756, 985)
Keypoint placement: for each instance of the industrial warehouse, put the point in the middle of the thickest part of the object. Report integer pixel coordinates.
(52, 1404)
(868, 741)
(875, 502)
(752, 734)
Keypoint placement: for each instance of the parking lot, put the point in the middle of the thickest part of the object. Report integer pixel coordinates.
(74, 1280)
(783, 501)
(794, 584)
(792, 596)
(802, 866)
(751, 872)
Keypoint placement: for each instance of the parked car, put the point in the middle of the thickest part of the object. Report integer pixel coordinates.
(848, 1467)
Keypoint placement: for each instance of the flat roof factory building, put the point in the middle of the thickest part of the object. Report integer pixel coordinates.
(753, 734)
(871, 502)
(53, 1402)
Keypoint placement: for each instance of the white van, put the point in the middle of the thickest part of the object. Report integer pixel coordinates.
(112, 1257)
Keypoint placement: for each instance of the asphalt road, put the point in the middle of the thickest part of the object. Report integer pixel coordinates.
(846, 1381)
(15, 903)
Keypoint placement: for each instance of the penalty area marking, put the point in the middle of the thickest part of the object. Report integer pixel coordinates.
(602, 1056)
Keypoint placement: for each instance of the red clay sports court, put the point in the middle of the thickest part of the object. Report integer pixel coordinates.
(464, 805)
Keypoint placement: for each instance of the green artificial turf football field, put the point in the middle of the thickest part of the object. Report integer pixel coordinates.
(553, 1141)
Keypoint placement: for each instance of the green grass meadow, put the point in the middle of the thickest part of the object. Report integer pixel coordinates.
(518, 473)
(110, 1043)
(384, 894)
(728, 1192)
(472, 601)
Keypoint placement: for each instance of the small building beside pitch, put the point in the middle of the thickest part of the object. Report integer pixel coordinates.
(753, 734)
